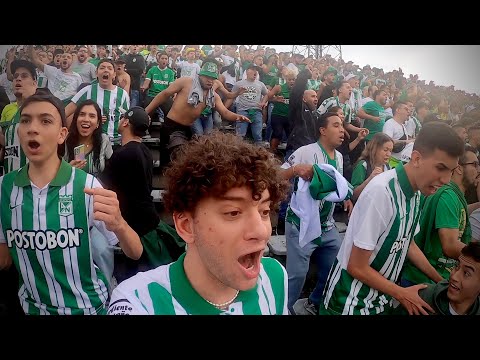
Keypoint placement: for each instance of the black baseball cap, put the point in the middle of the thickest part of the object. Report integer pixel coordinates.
(24, 64)
(138, 117)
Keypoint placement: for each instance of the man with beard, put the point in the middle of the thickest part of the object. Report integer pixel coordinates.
(112, 99)
(444, 224)
(63, 83)
(193, 96)
(304, 120)
(83, 67)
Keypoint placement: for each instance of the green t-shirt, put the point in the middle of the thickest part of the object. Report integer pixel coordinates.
(94, 61)
(450, 213)
(374, 109)
(159, 79)
(269, 77)
(281, 108)
(359, 174)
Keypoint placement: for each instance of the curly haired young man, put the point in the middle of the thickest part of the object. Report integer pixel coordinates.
(220, 190)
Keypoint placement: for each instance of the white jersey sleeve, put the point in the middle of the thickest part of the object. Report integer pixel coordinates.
(125, 303)
(375, 207)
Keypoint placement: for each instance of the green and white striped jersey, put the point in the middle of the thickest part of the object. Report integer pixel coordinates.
(41, 79)
(384, 221)
(113, 103)
(334, 101)
(166, 290)
(48, 232)
(355, 102)
(14, 156)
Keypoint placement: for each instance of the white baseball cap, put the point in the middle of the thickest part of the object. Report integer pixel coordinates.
(350, 76)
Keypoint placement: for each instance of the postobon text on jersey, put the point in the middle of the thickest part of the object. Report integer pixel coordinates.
(42, 240)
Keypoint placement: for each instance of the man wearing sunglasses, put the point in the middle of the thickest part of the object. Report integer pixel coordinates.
(444, 224)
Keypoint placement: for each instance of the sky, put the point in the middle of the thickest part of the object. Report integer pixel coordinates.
(444, 64)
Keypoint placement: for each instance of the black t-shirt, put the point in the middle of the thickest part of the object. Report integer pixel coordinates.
(303, 127)
(134, 66)
(129, 173)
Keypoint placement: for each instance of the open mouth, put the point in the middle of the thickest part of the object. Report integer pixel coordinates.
(85, 126)
(454, 287)
(250, 263)
(64, 63)
(105, 76)
(33, 145)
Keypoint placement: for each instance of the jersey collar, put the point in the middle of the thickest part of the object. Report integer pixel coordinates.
(188, 297)
(61, 179)
(404, 182)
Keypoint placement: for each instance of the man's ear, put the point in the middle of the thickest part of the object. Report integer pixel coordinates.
(415, 159)
(184, 225)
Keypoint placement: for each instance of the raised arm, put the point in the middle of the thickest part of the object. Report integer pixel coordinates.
(227, 114)
(32, 54)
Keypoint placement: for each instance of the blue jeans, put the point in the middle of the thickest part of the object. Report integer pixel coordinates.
(406, 283)
(257, 126)
(298, 261)
(134, 98)
(203, 125)
(282, 211)
(268, 130)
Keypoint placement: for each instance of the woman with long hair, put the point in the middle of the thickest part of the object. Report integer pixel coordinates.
(373, 161)
(86, 130)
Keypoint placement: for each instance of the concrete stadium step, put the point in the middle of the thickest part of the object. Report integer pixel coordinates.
(278, 245)
(157, 195)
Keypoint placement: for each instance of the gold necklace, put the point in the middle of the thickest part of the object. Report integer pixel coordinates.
(222, 305)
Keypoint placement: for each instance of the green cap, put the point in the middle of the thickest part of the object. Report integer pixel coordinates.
(209, 69)
(161, 47)
(330, 69)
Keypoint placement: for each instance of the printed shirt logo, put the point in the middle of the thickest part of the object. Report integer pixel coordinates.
(12, 151)
(210, 67)
(13, 206)
(65, 205)
(120, 307)
(251, 93)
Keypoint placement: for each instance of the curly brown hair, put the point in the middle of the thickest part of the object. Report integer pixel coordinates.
(211, 165)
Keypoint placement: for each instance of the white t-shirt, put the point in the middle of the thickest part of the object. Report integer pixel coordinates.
(62, 85)
(8, 86)
(188, 69)
(475, 224)
(410, 126)
(396, 131)
(227, 60)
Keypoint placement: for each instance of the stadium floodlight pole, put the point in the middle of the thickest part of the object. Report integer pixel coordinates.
(317, 51)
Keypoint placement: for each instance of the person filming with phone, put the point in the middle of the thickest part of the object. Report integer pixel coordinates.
(86, 147)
